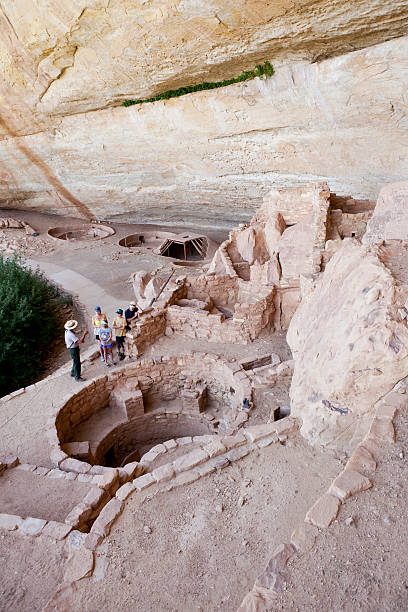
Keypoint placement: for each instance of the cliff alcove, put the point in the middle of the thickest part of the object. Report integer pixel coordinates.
(250, 441)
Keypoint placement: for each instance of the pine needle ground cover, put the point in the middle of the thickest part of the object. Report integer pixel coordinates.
(28, 323)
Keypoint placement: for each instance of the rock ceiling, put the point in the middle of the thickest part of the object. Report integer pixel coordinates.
(64, 64)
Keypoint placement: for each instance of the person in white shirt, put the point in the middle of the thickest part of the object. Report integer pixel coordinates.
(72, 343)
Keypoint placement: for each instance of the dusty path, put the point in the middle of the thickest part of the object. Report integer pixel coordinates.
(360, 562)
(206, 549)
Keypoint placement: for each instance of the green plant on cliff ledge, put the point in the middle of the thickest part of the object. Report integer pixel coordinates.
(265, 69)
(28, 323)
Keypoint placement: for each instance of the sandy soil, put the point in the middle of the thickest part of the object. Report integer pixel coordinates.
(362, 565)
(105, 263)
(30, 570)
(205, 549)
(27, 494)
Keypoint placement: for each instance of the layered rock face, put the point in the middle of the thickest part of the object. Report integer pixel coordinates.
(63, 57)
(210, 157)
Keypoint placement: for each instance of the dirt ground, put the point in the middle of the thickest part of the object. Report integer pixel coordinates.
(206, 549)
(106, 263)
(31, 570)
(27, 494)
(211, 539)
(362, 565)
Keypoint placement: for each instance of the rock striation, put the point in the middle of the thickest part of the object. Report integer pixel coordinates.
(62, 57)
(210, 157)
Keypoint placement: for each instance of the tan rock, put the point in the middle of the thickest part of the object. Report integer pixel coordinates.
(214, 448)
(323, 512)
(185, 478)
(190, 460)
(256, 432)
(80, 565)
(304, 537)
(348, 483)
(93, 540)
(212, 120)
(382, 429)
(390, 218)
(163, 473)
(124, 491)
(361, 460)
(96, 497)
(142, 482)
(107, 517)
(32, 526)
(259, 599)
(10, 521)
(339, 377)
(56, 531)
(109, 480)
(273, 575)
(78, 515)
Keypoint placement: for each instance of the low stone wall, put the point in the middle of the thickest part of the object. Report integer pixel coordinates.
(145, 332)
(352, 480)
(227, 383)
(252, 307)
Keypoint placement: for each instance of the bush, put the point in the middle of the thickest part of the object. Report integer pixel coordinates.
(265, 69)
(28, 323)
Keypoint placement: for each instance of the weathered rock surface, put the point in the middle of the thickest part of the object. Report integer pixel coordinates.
(389, 221)
(66, 57)
(349, 343)
(209, 156)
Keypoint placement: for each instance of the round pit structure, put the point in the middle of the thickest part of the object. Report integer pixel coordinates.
(86, 231)
(144, 404)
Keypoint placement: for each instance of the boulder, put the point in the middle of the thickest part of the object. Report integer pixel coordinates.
(349, 348)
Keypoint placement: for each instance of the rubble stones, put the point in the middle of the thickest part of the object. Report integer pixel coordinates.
(80, 564)
(10, 522)
(324, 511)
(190, 460)
(349, 483)
(142, 482)
(78, 515)
(107, 517)
(163, 473)
(56, 531)
(362, 460)
(214, 448)
(109, 480)
(73, 465)
(32, 526)
(96, 497)
(92, 540)
(125, 490)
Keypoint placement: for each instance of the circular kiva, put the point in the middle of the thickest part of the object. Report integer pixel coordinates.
(186, 247)
(143, 404)
(83, 232)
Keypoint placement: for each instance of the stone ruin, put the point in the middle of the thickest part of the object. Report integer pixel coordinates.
(253, 284)
(308, 263)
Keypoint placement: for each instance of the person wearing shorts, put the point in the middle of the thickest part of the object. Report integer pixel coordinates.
(119, 325)
(97, 320)
(106, 343)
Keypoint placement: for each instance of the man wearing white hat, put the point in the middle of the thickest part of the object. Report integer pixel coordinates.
(72, 343)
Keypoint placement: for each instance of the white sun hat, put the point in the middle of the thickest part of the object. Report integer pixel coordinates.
(71, 324)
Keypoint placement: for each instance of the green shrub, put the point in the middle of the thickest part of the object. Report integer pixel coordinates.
(28, 323)
(265, 69)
